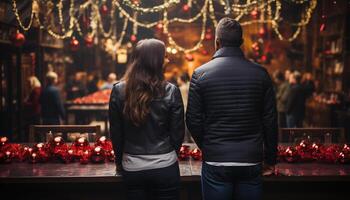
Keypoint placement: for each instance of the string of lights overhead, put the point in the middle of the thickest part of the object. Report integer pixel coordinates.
(97, 11)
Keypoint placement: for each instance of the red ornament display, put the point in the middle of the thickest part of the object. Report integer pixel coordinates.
(18, 39)
(74, 44)
(100, 97)
(102, 151)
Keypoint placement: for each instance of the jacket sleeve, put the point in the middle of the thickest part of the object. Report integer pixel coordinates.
(115, 121)
(270, 127)
(177, 122)
(194, 111)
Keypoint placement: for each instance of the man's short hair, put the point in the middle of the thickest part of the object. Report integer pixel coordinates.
(229, 32)
(51, 77)
(297, 76)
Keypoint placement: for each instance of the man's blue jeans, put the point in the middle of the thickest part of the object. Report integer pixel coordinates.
(238, 183)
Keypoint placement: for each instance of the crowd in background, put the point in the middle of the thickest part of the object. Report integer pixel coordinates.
(292, 91)
(45, 104)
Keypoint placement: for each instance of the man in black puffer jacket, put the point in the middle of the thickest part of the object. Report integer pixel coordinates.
(232, 117)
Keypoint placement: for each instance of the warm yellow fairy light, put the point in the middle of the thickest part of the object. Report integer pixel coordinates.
(207, 10)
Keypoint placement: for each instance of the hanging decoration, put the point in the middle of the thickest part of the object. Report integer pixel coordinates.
(18, 39)
(100, 19)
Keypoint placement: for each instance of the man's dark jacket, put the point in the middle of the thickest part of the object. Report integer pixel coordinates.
(231, 111)
(296, 101)
(51, 105)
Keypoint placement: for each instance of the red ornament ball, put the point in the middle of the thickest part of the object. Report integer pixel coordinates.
(18, 39)
(159, 26)
(196, 154)
(254, 13)
(74, 44)
(89, 40)
(208, 36)
(133, 38)
(104, 9)
(184, 152)
(186, 7)
(189, 57)
(262, 31)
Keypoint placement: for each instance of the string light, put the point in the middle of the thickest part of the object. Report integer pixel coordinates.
(166, 5)
(207, 10)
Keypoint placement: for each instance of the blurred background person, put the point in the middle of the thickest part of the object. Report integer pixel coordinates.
(282, 87)
(75, 88)
(111, 80)
(92, 83)
(52, 110)
(308, 84)
(295, 108)
(31, 105)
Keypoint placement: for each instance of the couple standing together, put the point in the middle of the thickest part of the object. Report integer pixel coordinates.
(231, 115)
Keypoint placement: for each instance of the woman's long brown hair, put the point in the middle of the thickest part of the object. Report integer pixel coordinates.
(144, 79)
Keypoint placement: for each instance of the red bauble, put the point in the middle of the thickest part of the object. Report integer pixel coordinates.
(133, 38)
(208, 36)
(89, 41)
(189, 57)
(74, 44)
(3, 141)
(6, 156)
(263, 58)
(262, 31)
(322, 27)
(85, 157)
(159, 26)
(186, 7)
(104, 143)
(254, 13)
(204, 52)
(196, 154)
(104, 9)
(18, 39)
(184, 152)
(98, 155)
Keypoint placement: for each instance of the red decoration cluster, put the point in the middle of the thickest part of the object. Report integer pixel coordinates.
(185, 153)
(57, 150)
(101, 151)
(99, 97)
(307, 151)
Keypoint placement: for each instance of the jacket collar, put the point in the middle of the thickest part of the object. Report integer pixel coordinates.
(228, 52)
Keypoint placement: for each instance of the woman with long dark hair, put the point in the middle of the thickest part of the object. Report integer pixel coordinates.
(147, 125)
